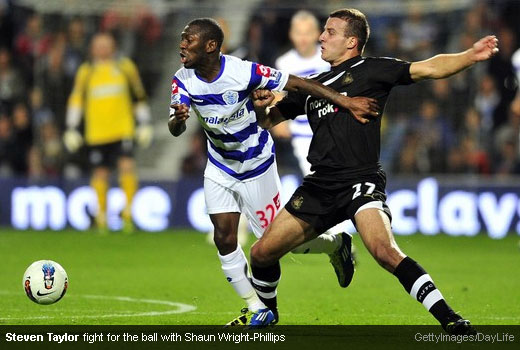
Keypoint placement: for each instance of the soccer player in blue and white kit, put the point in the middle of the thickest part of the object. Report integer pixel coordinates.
(241, 173)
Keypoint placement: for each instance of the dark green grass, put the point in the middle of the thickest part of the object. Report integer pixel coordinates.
(478, 277)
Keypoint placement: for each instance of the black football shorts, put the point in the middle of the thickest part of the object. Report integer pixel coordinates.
(106, 155)
(324, 203)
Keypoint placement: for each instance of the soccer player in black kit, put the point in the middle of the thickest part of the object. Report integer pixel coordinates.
(348, 181)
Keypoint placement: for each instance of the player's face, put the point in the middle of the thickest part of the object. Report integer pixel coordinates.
(103, 47)
(304, 36)
(334, 43)
(191, 47)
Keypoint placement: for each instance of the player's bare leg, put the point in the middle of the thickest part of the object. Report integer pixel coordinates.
(128, 182)
(284, 234)
(234, 262)
(374, 228)
(99, 182)
(225, 231)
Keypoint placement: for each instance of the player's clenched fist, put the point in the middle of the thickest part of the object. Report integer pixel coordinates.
(181, 112)
(262, 98)
(176, 123)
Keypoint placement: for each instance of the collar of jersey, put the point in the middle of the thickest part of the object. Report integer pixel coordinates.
(222, 65)
(347, 64)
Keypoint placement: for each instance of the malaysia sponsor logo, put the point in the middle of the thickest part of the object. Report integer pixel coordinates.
(224, 120)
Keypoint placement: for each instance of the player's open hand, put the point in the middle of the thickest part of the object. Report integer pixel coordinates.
(262, 98)
(182, 112)
(485, 48)
(362, 108)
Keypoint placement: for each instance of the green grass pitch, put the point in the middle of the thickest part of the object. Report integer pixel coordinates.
(141, 278)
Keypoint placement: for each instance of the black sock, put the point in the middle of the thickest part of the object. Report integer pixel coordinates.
(420, 286)
(265, 280)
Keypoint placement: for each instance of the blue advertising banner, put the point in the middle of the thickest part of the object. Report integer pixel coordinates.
(429, 206)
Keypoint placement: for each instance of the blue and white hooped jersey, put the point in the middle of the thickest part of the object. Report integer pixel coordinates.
(237, 145)
(293, 63)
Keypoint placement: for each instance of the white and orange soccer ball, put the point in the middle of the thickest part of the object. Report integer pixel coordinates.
(45, 282)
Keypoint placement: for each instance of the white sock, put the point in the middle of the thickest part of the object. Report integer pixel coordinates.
(324, 243)
(235, 269)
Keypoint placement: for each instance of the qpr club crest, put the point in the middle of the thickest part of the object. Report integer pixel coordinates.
(48, 275)
(230, 97)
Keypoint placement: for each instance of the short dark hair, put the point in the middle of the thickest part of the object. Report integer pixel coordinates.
(357, 24)
(210, 30)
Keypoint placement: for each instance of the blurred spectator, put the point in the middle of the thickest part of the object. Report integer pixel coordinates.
(435, 137)
(394, 137)
(507, 143)
(250, 49)
(54, 82)
(31, 44)
(418, 33)
(6, 25)
(12, 86)
(468, 158)
(501, 69)
(194, 163)
(76, 46)
(271, 23)
(137, 30)
(392, 45)
(132, 23)
(41, 114)
(486, 102)
(407, 162)
(22, 138)
(472, 129)
(443, 95)
(6, 145)
(47, 157)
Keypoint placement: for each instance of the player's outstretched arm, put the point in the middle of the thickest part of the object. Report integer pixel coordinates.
(444, 65)
(361, 107)
(177, 121)
(267, 117)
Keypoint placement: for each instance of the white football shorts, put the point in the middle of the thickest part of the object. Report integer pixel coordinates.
(257, 198)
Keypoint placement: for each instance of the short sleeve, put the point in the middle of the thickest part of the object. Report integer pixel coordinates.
(264, 77)
(292, 105)
(394, 71)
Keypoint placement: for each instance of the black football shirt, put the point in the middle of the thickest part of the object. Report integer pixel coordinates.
(341, 145)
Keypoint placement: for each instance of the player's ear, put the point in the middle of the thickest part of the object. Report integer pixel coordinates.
(211, 46)
(352, 42)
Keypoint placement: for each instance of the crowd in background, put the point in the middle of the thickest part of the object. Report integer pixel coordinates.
(469, 123)
(39, 57)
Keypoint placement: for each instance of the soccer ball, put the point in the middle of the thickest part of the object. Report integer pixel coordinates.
(45, 282)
